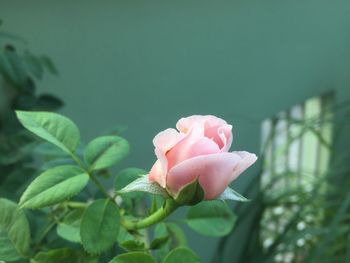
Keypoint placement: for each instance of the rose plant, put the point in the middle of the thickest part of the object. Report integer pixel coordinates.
(193, 169)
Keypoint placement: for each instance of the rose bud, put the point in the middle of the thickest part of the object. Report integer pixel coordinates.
(198, 151)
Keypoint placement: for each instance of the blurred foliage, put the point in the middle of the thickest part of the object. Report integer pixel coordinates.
(20, 70)
(312, 223)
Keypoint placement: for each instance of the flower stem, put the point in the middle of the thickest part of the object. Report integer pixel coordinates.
(169, 206)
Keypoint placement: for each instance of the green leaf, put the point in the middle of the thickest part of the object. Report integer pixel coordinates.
(99, 227)
(181, 255)
(190, 194)
(63, 255)
(142, 184)
(133, 257)
(159, 242)
(69, 228)
(14, 231)
(132, 245)
(211, 218)
(230, 194)
(54, 186)
(105, 151)
(52, 127)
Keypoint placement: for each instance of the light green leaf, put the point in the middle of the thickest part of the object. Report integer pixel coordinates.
(142, 184)
(99, 227)
(52, 127)
(69, 228)
(181, 255)
(133, 257)
(14, 231)
(230, 194)
(105, 151)
(211, 218)
(54, 186)
(63, 255)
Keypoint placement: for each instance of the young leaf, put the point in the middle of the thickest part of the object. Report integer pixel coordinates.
(181, 255)
(159, 242)
(105, 151)
(53, 186)
(63, 255)
(230, 194)
(14, 231)
(142, 184)
(99, 226)
(52, 127)
(211, 218)
(132, 245)
(133, 257)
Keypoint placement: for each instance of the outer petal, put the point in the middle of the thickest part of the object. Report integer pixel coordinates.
(194, 144)
(163, 142)
(214, 172)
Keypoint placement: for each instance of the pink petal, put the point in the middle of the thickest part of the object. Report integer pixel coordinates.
(194, 144)
(185, 124)
(163, 142)
(214, 172)
(222, 135)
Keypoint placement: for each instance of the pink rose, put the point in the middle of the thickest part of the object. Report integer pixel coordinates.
(198, 151)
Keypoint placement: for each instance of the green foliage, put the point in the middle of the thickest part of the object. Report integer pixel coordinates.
(190, 194)
(133, 257)
(66, 255)
(105, 151)
(181, 255)
(142, 184)
(14, 232)
(54, 186)
(100, 226)
(211, 218)
(230, 194)
(53, 128)
(69, 228)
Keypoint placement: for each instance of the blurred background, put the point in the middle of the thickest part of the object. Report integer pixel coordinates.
(277, 70)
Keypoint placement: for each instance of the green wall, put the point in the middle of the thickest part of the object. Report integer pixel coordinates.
(148, 63)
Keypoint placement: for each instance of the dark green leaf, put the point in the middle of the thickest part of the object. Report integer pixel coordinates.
(99, 227)
(105, 151)
(52, 127)
(63, 255)
(53, 186)
(133, 257)
(181, 255)
(48, 102)
(14, 231)
(190, 194)
(211, 218)
(132, 245)
(159, 242)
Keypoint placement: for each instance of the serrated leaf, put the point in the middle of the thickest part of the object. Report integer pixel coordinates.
(52, 127)
(230, 194)
(142, 184)
(181, 255)
(211, 218)
(54, 186)
(63, 255)
(14, 231)
(133, 257)
(105, 151)
(99, 226)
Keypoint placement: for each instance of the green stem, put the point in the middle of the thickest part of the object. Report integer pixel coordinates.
(99, 186)
(169, 206)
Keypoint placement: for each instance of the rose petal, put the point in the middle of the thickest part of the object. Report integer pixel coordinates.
(194, 144)
(163, 142)
(185, 124)
(222, 135)
(157, 175)
(214, 172)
